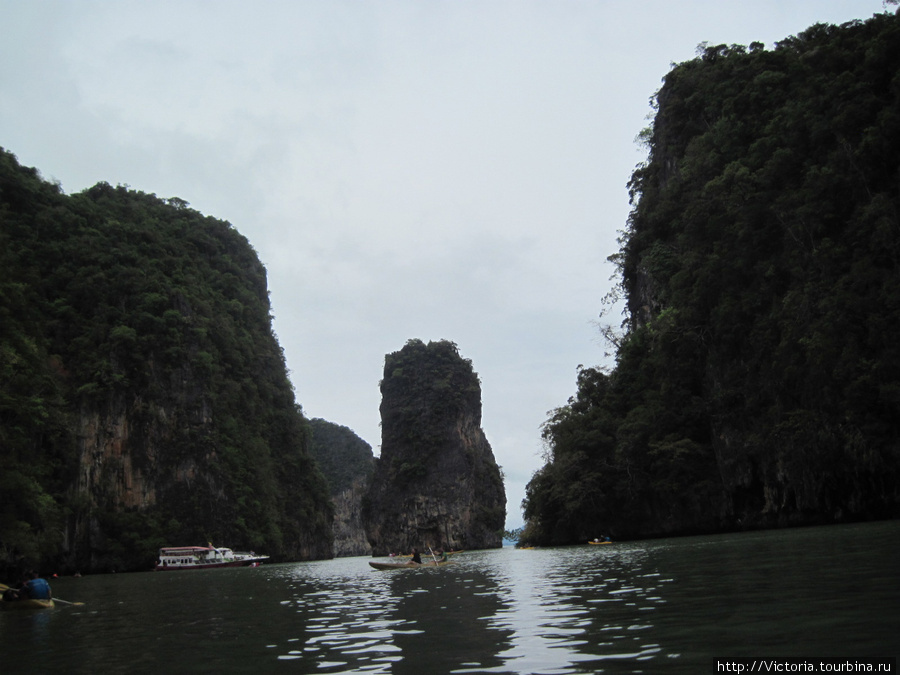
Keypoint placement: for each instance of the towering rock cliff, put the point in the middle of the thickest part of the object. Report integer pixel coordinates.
(347, 462)
(757, 383)
(437, 483)
(144, 399)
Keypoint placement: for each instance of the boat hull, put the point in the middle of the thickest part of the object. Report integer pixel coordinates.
(208, 566)
(9, 605)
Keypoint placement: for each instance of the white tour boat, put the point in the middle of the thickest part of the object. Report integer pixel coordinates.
(204, 557)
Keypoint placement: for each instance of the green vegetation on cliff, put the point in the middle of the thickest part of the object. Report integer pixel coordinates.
(343, 457)
(425, 388)
(757, 382)
(143, 396)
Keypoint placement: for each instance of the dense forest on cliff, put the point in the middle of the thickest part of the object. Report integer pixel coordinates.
(144, 399)
(343, 457)
(757, 378)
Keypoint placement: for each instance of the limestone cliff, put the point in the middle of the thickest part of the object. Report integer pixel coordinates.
(144, 399)
(347, 462)
(756, 382)
(437, 483)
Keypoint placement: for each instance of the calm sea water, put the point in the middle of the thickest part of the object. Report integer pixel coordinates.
(670, 605)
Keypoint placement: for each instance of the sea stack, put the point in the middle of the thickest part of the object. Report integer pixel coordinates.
(437, 483)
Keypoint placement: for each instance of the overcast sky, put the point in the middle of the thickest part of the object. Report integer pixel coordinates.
(435, 169)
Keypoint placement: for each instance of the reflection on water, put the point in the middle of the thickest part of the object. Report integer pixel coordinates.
(668, 605)
(342, 615)
(571, 610)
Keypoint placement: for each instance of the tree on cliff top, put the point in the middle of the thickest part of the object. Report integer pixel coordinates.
(758, 381)
(424, 387)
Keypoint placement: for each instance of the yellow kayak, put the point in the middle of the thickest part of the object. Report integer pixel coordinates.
(26, 604)
(30, 603)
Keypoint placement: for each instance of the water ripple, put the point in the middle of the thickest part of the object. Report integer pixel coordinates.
(344, 620)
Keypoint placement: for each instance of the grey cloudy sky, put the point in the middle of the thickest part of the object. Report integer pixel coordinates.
(431, 169)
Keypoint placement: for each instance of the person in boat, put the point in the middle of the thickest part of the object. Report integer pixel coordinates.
(417, 558)
(442, 556)
(32, 587)
(37, 588)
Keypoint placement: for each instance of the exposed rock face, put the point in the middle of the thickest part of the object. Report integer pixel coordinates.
(437, 483)
(349, 533)
(162, 468)
(347, 462)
